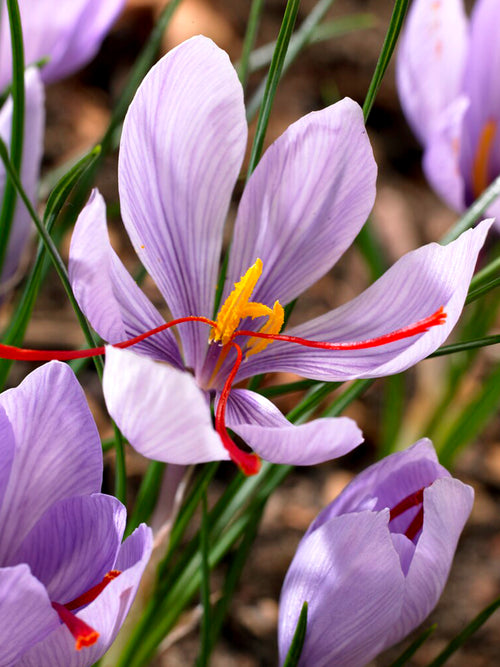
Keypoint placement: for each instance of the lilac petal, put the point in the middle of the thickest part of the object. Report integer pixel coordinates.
(305, 203)
(105, 614)
(447, 505)
(415, 287)
(30, 170)
(58, 451)
(74, 544)
(430, 63)
(481, 85)
(7, 451)
(349, 573)
(182, 147)
(161, 411)
(26, 613)
(114, 304)
(275, 439)
(68, 33)
(441, 162)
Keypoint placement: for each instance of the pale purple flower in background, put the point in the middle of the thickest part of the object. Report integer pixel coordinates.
(182, 147)
(448, 83)
(67, 32)
(34, 124)
(60, 536)
(374, 563)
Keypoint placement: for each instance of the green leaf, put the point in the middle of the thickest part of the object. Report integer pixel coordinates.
(273, 77)
(147, 496)
(206, 624)
(17, 128)
(243, 67)
(395, 25)
(295, 650)
(413, 648)
(462, 637)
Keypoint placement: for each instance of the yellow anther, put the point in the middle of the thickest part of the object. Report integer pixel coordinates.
(480, 167)
(237, 306)
(272, 326)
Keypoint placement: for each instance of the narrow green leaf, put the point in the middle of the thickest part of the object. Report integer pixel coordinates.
(395, 25)
(474, 212)
(17, 127)
(295, 650)
(472, 419)
(316, 395)
(206, 624)
(273, 77)
(147, 496)
(462, 637)
(393, 412)
(482, 290)
(413, 647)
(465, 345)
(288, 388)
(249, 41)
(357, 388)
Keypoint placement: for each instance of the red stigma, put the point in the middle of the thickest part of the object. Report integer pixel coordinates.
(248, 463)
(413, 500)
(83, 633)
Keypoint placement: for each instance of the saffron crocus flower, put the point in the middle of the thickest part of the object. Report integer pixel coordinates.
(66, 581)
(450, 92)
(182, 146)
(68, 33)
(374, 563)
(30, 169)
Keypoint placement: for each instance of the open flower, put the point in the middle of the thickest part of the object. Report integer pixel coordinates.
(182, 146)
(30, 170)
(374, 563)
(68, 33)
(66, 581)
(450, 92)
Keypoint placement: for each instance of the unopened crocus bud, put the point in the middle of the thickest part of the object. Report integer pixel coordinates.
(374, 563)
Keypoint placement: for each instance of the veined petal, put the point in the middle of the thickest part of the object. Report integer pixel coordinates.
(74, 544)
(105, 614)
(481, 85)
(111, 300)
(34, 124)
(275, 439)
(58, 450)
(447, 505)
(161, 411)
(430, 62)
(441, 161)
(26, 613)
(348, 571)
(383, 484)
(415, 287)
(7, 451)
(68, 33)
(182, 146)
(305, 202)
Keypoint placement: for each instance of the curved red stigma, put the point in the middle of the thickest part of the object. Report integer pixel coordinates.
(83, 633)
(412, 500)
(249, 463)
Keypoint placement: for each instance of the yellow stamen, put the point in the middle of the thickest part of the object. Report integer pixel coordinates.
(237, 306)
(480, 168)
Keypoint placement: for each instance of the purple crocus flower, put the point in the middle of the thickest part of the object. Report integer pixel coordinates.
(182, 147)
(69, 33)
(34, 123)
(374, 563)
(66, 581)
(447, 75)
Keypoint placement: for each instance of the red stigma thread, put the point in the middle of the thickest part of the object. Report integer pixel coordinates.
(437, 318)
(248, 463)
(413, 500)
(83, 633)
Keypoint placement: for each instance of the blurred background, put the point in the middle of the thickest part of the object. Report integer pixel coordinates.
(393, 413)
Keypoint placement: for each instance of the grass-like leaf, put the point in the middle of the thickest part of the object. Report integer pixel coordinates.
(295, 650)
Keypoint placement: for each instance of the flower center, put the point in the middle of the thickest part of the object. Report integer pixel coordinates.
(481, 164)
(415, 499)
(82, 632)
(237, 306)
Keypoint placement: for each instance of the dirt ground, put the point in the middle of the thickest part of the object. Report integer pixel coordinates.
(406, 214)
